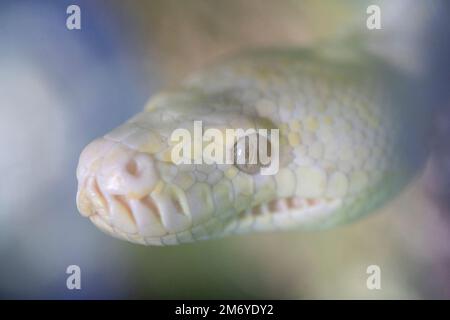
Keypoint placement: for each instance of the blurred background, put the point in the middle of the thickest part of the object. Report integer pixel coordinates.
(60, 88)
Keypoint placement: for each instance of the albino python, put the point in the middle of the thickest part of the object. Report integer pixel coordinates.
(352, 135)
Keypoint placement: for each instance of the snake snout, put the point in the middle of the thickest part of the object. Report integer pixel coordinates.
(114, 186)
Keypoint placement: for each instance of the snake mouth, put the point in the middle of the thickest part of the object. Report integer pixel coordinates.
(115, 184)
(120, 190)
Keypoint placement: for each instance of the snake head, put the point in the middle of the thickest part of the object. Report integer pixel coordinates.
(135, 184)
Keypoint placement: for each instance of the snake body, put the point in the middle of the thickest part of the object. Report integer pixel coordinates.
(351, 136)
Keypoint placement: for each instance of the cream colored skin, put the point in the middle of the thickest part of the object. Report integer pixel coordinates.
(348, 143)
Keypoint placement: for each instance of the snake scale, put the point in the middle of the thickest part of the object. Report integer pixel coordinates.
(352, 134)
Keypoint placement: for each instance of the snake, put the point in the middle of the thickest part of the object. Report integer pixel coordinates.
(352, 133)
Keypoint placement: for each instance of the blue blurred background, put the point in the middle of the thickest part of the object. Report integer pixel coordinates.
(55, 85)
(61, 88)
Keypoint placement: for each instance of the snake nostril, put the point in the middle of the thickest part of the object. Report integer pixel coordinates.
(132, 167)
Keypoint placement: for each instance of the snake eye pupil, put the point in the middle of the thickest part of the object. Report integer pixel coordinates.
(251, 153)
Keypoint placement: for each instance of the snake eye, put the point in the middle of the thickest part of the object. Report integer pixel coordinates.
(252, 152)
